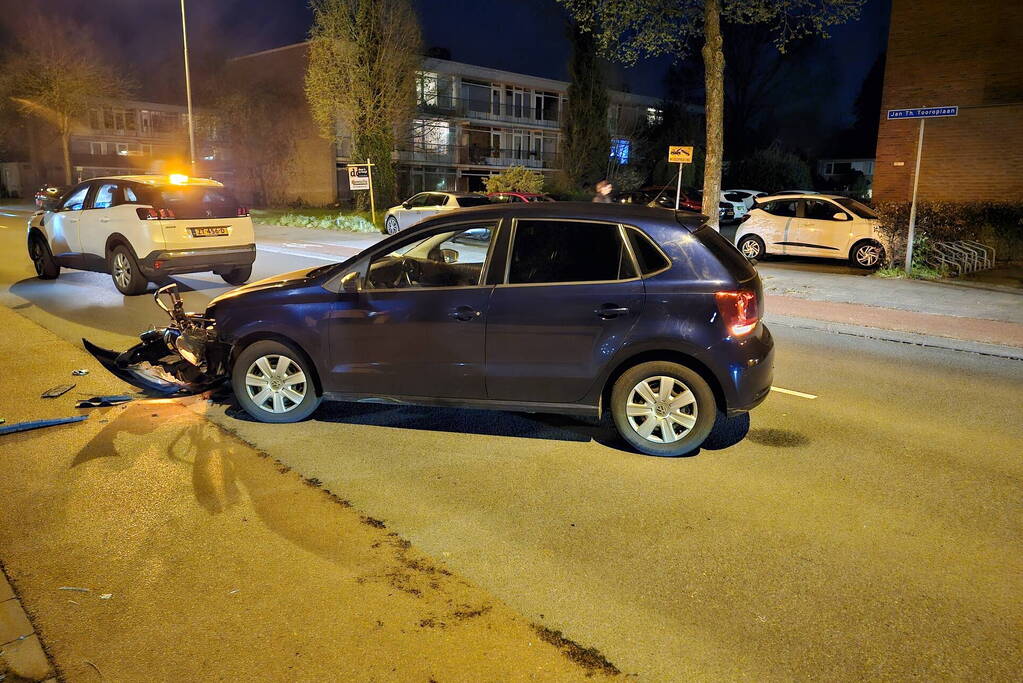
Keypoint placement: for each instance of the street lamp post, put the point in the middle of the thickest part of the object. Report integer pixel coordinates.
(188, 90)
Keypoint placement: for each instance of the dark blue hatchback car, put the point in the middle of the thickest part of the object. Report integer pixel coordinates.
(547, 307)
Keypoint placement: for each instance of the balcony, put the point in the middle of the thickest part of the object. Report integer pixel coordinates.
(474, 155)
(482, 110)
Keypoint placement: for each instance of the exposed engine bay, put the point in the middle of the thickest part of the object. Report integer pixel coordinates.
(184, 357)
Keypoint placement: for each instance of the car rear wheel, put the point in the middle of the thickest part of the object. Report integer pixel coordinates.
(274, 383)
(237, 276)
(752, 247)
(125, 272)
(867, 254)
(663, 408)
(391, 225)
(42, 259)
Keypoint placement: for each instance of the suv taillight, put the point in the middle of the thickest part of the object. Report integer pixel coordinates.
(151, 214)
(740, 311)
(242, 211)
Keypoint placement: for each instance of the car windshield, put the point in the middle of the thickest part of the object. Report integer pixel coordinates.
(196, 201)
(472, 201)
(861, 210)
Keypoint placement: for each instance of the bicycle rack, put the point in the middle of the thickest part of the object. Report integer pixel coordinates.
(960, 257)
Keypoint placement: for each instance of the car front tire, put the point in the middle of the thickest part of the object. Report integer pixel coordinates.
(391, 226)
(237, 276)
(124, 270)
(273, 382)
(752, 247)
(663, 408)
(42, 258)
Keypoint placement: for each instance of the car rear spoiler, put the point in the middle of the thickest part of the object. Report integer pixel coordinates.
(691, 221)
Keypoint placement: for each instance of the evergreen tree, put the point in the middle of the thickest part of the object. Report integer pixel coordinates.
(587, 143)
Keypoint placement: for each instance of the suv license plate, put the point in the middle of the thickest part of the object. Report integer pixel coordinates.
(218, 231)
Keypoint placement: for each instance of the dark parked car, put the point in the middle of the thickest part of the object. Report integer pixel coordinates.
(564, 307)
(49, 193)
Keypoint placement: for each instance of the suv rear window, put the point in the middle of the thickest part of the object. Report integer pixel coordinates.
(196, 201)
(472, 201)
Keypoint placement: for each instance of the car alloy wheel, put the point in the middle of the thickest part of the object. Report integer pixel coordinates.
(662, 409)
(275, 383)
(868, 255)
(122, 270)
(392, 225)
(751, 248)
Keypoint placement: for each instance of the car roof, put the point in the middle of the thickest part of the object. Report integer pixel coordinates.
(161, 180)
(801, 195)
(632, 214)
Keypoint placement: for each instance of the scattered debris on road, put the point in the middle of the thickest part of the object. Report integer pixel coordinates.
(75, 589)
(103, 401)
(80, 372)
(106, 596)
(59, 390)
(38, 424)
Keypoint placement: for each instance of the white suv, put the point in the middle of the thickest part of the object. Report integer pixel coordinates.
(143, 228)
(425, 204)
(812, 225)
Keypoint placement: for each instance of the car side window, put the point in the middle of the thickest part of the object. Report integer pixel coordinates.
(418, 200)
(107, 195)
(550, 251)
(820, 209)
(129, 195)
(76, 199)
(782, 207)
(649, 256)
(454, 257)
(434, 199)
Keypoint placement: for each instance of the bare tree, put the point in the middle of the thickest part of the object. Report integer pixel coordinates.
(363, 59)
(629, 29)
(56, 78)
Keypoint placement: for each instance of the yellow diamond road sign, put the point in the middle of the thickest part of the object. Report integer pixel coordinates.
(680, 155)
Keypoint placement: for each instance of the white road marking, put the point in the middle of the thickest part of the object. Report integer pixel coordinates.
(790, 392)
(5, 213)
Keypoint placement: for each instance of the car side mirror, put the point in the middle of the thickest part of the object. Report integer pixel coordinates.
(50, 205)
(351, 283)
(840, 216)
(449, 255)
(406, 205)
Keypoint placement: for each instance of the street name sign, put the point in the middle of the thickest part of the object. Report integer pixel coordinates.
(358, 177)
(678, 154)
(922, 113)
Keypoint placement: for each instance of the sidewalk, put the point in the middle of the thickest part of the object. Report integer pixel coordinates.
(146, 543)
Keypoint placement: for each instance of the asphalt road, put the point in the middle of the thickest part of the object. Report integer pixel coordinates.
(873, 531)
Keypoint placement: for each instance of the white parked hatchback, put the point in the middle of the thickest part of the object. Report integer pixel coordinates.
(426, 204)
(741, 200)
(812, 225)
(143, 228)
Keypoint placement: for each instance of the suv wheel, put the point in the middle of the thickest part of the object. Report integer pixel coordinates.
(663, 408)
(867, 254)
(42, 258)
(391, 225)
(125, 272)
(752, 247)
(237, 276)
(274, 383)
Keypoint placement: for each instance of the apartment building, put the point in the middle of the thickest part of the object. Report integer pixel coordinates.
(114, 137)
(471, 122)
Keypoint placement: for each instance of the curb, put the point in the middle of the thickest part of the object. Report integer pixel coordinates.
(880, 334)
(22, 655)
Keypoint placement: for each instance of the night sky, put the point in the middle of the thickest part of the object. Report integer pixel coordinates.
(517, 35)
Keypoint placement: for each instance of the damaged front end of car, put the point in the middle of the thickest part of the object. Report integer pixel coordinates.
(185, 357)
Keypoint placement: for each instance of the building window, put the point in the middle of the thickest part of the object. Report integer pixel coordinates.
(97, 148)
(108, 118)
(654, 116)
(620, 148)
(94, 119)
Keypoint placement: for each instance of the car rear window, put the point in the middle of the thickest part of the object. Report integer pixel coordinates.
(730, 257)
(649, 256)
(472, 201)
(196, 201)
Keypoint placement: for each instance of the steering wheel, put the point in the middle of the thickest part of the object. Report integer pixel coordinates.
(411, 272)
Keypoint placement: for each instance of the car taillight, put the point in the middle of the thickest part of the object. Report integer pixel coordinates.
(151, 214)
(242, 211)
(739, 311)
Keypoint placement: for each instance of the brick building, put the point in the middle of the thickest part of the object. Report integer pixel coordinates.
(943, 53)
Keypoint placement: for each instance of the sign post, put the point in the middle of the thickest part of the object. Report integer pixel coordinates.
(923, 114)
(360, 177)
(680, 155)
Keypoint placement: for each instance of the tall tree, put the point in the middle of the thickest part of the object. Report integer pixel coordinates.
(56, 78)
(363, 59)
(587, 143)
(629, 29)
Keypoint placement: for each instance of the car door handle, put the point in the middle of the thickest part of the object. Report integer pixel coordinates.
(610, 311)
(465, 313)
(104, 220)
